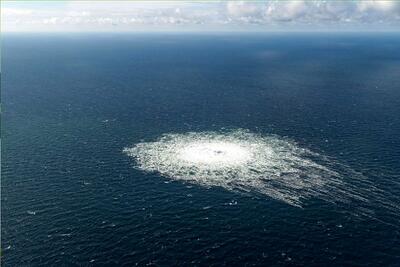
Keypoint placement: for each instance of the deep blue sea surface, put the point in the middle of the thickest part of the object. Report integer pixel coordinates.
(72, 102)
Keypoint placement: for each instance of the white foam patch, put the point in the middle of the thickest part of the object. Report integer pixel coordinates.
(246, 162)
(215, 154)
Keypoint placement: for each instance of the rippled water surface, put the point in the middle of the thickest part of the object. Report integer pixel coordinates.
(200, 150)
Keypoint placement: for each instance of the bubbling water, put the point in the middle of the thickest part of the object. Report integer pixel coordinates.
(242, 161)
(261, 165)
(215, 154)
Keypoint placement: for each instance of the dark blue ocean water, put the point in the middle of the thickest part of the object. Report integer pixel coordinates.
(72, 102)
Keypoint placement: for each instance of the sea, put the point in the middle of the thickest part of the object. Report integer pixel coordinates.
(72, 102)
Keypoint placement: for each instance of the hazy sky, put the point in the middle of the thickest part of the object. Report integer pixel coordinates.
(312, 15)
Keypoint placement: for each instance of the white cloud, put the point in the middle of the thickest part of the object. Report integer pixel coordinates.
(78, 13)
(52, 20)
(233, 15)
(381, 6)
(15, 12)
(242, 8)
(286, 10)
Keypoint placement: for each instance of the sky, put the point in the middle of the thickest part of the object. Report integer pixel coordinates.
(143, 16)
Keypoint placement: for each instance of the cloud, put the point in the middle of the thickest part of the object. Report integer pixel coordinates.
(178, 15)
(287, 10)
(379, 6)
(78, 13)
(242, 8)
(16, 12)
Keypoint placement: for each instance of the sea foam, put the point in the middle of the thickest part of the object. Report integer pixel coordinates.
(239, 160)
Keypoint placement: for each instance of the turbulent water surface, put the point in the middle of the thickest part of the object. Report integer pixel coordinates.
(174, 150)
(243, 161)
